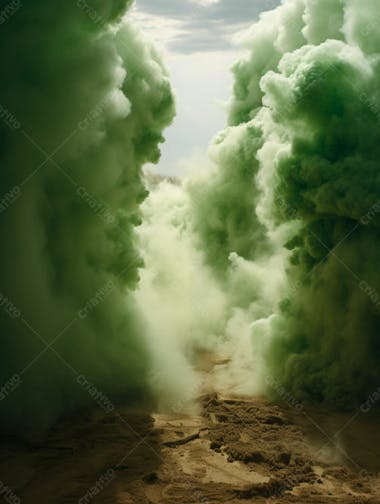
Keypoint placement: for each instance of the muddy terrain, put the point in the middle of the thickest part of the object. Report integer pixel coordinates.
(236, 450)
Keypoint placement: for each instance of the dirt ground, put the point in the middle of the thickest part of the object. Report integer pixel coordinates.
(236, 451)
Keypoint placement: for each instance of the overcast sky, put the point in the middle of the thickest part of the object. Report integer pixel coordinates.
(197, 37)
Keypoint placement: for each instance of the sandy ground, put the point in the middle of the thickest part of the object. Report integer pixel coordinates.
(237, 450)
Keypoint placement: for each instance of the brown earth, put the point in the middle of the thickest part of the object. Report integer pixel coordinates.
(237, 450)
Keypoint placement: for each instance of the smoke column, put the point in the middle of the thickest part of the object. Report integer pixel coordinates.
(323, 102)
(283, 223)
(84, 100)
(310, 84)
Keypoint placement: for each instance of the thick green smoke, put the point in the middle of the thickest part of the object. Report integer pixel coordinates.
(224, 211)
(304, 174)
(84, 100)
(328, 345)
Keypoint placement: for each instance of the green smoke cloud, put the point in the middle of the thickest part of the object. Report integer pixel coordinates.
(84, 100)
(327, 345)
(299, 181)
(268, 258)
(225, 216)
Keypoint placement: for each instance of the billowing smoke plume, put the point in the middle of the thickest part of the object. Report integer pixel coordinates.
(311, 86)
(260, 268)
(84, 100)
(323, 101)
(285, 224)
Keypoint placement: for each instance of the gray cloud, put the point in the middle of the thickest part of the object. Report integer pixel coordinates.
(206, 28)
(238, 11)
(167, 8)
